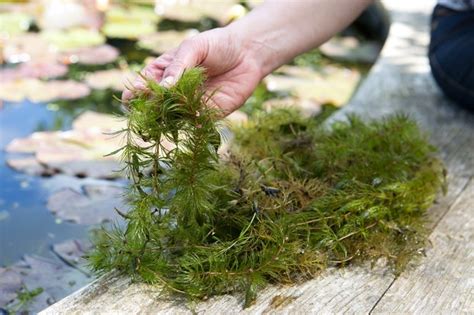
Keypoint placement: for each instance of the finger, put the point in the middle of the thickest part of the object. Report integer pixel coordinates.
(154, 70)
(164, 60)
(128, 93)
(152, 73)
(188, 55)
(126, 96)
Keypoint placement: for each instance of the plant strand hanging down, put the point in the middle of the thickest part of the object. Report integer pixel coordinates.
(290, 199)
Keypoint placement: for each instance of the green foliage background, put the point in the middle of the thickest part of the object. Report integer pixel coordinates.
(289, 199)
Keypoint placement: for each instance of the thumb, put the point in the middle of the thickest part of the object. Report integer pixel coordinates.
(189, 54)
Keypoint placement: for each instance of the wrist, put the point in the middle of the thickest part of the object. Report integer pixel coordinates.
(254, 47)
(266, 39)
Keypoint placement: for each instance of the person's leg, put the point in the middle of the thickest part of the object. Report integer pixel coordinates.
(451, 54)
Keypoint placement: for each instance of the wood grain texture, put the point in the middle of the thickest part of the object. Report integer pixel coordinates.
(400, 81)
(444, 281)
(350, 290)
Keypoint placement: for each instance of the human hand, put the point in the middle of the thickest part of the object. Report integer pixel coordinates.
(232, 68)
(239, 55)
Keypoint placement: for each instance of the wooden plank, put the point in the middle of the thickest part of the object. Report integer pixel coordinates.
(444, 281)
(399, 81)
(352, 289)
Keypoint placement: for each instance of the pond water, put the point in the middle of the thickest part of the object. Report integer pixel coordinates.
(26, 225)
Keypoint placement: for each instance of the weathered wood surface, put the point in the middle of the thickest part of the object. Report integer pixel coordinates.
(442, 283)
(355, 290)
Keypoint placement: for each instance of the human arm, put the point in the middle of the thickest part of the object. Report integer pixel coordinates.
(237, 57)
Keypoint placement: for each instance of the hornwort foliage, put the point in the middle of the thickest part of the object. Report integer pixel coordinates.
(290, 198)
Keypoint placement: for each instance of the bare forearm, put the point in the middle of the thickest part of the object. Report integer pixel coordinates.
(279, 30)
(238, 56)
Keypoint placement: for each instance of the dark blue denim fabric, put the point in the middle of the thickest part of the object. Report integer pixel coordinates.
(451, 54)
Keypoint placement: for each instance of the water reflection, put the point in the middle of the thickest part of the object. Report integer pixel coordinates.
(26, 225)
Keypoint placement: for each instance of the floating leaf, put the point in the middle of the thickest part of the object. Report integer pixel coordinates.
(10, 283)
(61, 15)
(161, 42)
(73, 38)
(12, 23)
(95, 205)
(97, 55)
(129, 22)
(72, 252)
(29, 166)
(79, 152)
(104, 123)
(55, 280)
(34, 142)
(83, 151)
(33, 69)
(131, 14)
(115, 79)
(26, 47)
(127, 30)
(42, 91)
(223, 11)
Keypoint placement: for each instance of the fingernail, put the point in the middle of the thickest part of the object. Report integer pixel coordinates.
(167, 82)
(139, 86)
(126, 95)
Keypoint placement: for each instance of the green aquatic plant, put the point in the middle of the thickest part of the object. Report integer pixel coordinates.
(289, 199)
(23, 300)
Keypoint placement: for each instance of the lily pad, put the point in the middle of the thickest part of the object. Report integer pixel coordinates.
(131, 14)
(222, 11)
(161, 42)
(42, 91)
(350, 49)
(180, 12)
(33, 69)
(57, 15)
(329, 85)
(73, 39)
(29, 166)
(26, 47)
(12, 23)
(97, 169)
(79, 152)
(34, 142)
(10, 284)
(129, 22)
(127, 30)
(114, 79)
(56, 280)
(72, 253)
(98, 122)
(97, 55)
(82, 151)
(93, 205)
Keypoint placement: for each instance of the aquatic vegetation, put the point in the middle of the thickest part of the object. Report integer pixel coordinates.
(34, 282)
(290, 198)
(24, 298)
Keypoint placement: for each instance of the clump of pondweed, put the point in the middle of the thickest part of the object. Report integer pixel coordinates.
(290, 199)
